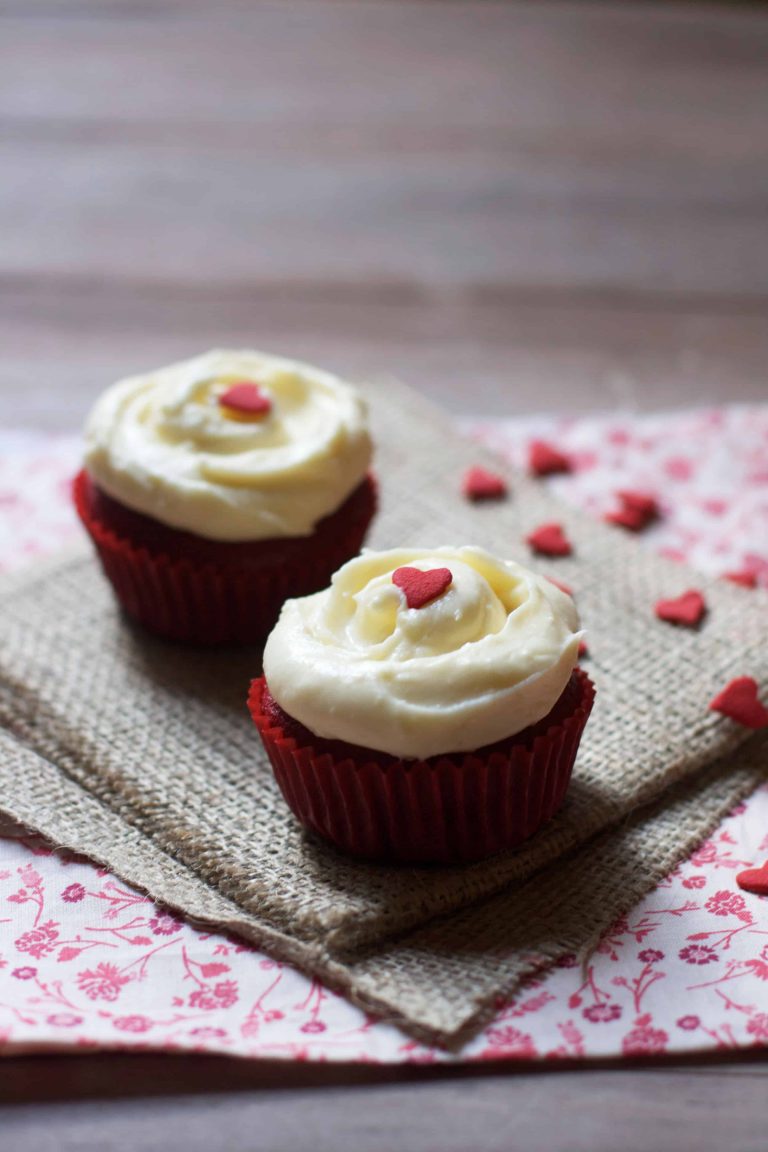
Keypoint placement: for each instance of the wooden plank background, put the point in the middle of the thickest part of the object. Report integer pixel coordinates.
(512, 206)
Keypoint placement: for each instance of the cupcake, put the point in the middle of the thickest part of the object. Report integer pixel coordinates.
(215, 488)
(426, 707)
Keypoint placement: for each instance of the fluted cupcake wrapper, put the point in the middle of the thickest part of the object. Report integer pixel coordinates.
(210, 603)
(447, 809)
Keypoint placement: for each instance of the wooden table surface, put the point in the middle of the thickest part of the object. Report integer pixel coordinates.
(512, 206)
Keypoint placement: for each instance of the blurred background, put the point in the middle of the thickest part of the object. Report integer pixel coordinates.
(514, 207)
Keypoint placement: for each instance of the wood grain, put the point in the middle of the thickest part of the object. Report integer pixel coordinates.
(532, 206)
(486, 350)
(266, 1108)
(513, 206)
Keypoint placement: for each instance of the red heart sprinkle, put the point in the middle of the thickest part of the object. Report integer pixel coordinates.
(583, 650)
(687, 609)
(627, 518)
(746, 578)
(421, 587)
(247, 398)
(639, 502)
(754, 880)
(480, 484)
(546, 460)
(562, 586)
(739, 701)
(638, 510)
(550, 540)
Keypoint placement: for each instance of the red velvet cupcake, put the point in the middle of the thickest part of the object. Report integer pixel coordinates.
(216, 488)
(426, 707)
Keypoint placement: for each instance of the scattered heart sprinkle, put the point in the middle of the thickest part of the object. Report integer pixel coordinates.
(687, 609)
(642, 502)
(480, 484)
(637, 511)
(549, 540)
(583, 649)
(626, 518)
(754, 880)
(421, 588)
(746, 578)
(546, 460)
(561, 585)
(740, 702)
(246, 398)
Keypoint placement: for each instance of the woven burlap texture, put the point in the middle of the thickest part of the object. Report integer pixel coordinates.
(156, 747)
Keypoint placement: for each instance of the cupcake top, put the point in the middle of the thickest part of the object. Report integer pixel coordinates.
(419, 652)
(232, 445)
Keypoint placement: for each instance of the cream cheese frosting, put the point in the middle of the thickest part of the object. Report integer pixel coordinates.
(487, 657)
(164, 444)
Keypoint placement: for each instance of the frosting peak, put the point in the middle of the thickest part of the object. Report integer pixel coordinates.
(481, 661)
(168, 445)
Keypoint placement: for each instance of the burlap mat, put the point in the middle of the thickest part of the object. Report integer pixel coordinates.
(143, 757)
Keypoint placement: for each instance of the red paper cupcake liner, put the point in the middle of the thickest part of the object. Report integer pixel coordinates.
(197, 591)
(448, 809)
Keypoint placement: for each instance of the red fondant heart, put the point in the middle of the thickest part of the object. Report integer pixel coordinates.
(550, 540)
(754, 880)
(545, 460)
(642, 502)
(628, 518)
(746, 578)
(480, 484)
(247, 398)
(687, 609)
(562, 586)
(638, 510)
(421, 587)
(739, 701)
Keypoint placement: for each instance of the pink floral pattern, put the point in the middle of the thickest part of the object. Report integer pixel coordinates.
(85, 960)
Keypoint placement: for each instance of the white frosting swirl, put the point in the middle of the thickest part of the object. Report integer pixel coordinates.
(482, 661)
(163, 445)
